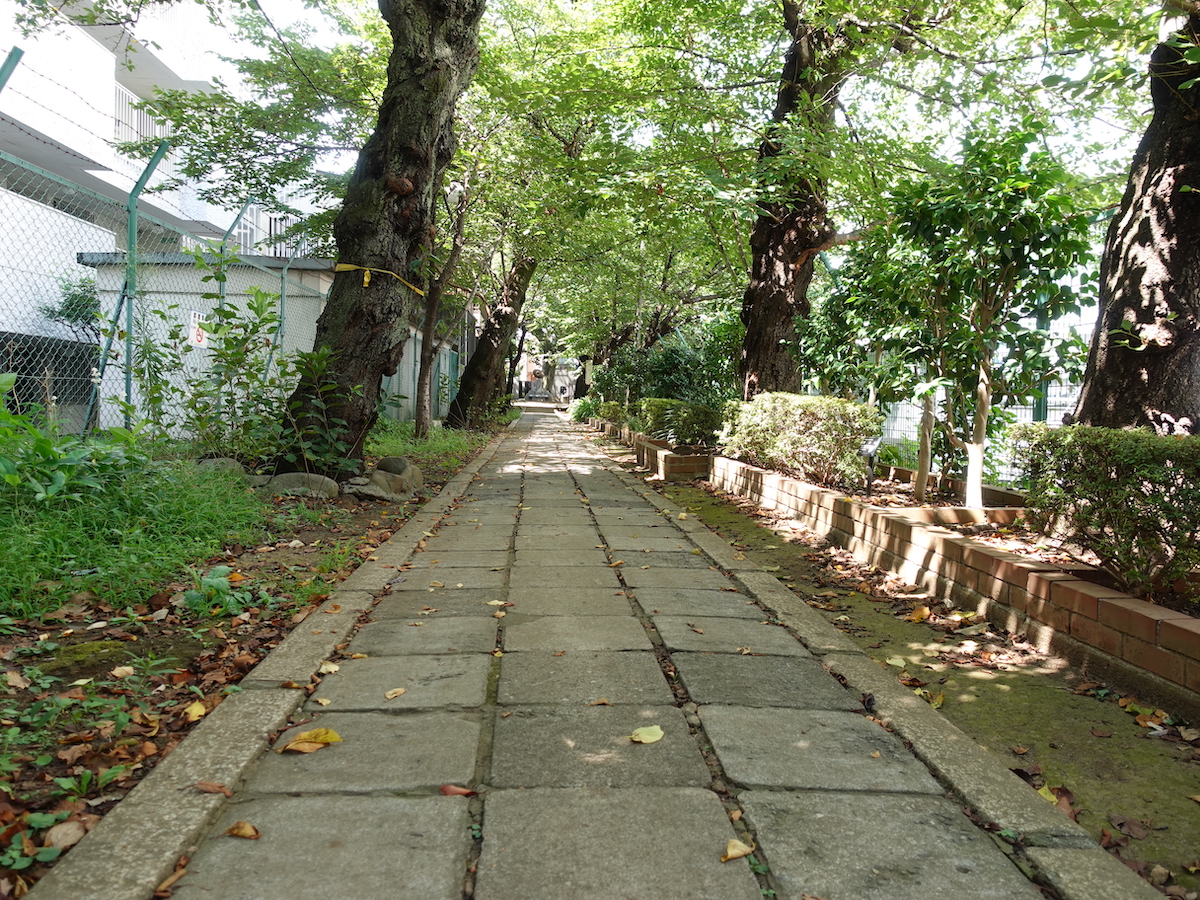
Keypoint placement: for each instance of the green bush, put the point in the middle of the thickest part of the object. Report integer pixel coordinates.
(612, 411)
(583, 408)
(1131, 497)
(679, 422)
(815, 437)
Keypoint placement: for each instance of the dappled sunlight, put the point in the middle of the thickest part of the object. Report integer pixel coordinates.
(599, 758)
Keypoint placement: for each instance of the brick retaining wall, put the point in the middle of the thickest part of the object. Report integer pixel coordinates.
(1114, 634)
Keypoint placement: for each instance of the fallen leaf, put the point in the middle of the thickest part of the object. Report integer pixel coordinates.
(436, 584)
(243, 830)
(122, 672)
(212, 787)
(453, 790)
(311, 741)
(328, 668)
(647, 734)
(495, 602)
(1020, 751)
(335, 608)
(875, 754)
(603, 701)
(1096, 732)
(359, 656)
(499, 614)
(697, 630)
(1135, 828)
(17, 680)
(395, 692)
(735, 849)
(897, 661)
(735, 816)
(619, 562)
(1195, 797)
(1189, 734)
(919, 614)
(291, 684)
(559, 653)
(323, 701)
(497, 652)
(65, 834)
(195, 711)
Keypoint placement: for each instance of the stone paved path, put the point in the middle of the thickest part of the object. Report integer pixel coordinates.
(553, 610)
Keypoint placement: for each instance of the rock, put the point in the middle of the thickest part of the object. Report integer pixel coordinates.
(398, 483)
(372, 490)
(303, 482)
(361, 479)
(394, 465)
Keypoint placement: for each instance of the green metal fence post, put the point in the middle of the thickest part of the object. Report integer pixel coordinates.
(10, 65)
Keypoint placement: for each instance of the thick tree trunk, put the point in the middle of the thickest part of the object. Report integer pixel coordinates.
(1144, 364)
(385, 229)
(791, 230)
(478, 384)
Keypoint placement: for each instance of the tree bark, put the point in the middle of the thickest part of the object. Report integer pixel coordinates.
(790, 230)
(386, 226)
(477, 387)
(1144, 364)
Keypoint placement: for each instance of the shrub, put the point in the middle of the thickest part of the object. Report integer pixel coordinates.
(680, 422)
(1131, 497)
(815, 437)
(611, 411)
(583, 408)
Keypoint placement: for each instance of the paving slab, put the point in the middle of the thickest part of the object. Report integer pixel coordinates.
(483, 516)
(577, 633)
(550, 533)
(879, 847)
(458, 578)
(674, 559)
(663, 542)
(352, 848)
(624, 516)
(446, 602)
(671, 602)
(429, 682)
(586, 556)
(783, 681)
(427, 634)
(589, 746)
(576, 539)
(678, 579)
(1089, 873)
(813, 749)
(727, 635)
(378, 752)
(582, 676)
(604, 844)
(556, 515)
(557, 578)
(469, 537)
(460, 559)
(568, 601)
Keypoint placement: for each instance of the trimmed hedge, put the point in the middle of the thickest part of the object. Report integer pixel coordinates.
(612, 411)
(816, 437)
(1131, 497)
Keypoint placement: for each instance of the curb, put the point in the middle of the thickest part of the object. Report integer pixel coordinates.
(137, 846)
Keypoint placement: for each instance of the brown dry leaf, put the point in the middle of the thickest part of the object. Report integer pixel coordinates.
(395, 692)
(735, 849)
(603, 701)
(436, 584)
(243, 829)
(619, 562)
(212, 787)
(697, 630)
(65, 834)
(164, 889)
(17, 680)
(311, 741)
(1097, 732)
(291, 684)
(453, 790)
(335, 608)
(559, 653)
(735, 816)
(1195, 797)
(359, 656)
(1020, 751)
(919, 614)
(1135, 828)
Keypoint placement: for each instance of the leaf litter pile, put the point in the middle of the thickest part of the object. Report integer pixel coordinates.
(94, 697)
(960, 642)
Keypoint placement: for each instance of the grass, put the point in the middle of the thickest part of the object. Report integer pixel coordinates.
(121, 542)
(442, 450)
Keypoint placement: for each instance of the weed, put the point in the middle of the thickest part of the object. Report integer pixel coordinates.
(215, 596)
(79, 785)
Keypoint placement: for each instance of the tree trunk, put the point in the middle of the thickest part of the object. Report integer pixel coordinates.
(925, 448)
(385, 229)
(1144, 364)
(792, 229)
(477, 386)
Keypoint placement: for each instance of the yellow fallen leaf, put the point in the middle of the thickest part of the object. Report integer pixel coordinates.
(395, 692)
(195, 712)
(243, 830)
(735, 849)
(875, 754)
(735, 816)
(323, 701)
(122, 672)
(1195, 797)
(495, 602)
(919, 614)
(1047, 794)
(682, 516)
(358, 656)
(436, 584)
(647, 734)
(603, 701)
(497, 652)
(499, 614)
(328, 668)
(312, 740)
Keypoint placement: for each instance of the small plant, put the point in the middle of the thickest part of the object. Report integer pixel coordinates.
(583, 408)
(78, 785)
(215, 596)
(22, 851)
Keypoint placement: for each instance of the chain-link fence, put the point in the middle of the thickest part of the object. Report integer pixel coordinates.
(98, 341)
